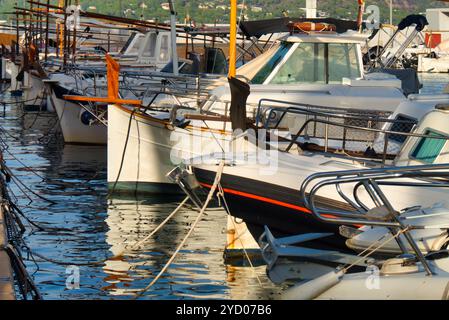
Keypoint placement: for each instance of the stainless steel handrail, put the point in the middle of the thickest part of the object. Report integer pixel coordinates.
(305, 106)
(371, 180)
(330, 114)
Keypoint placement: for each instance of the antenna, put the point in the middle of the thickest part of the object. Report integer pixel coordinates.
(311, 9)
(173, 38)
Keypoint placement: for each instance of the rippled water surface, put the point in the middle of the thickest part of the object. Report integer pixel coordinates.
(96, 228)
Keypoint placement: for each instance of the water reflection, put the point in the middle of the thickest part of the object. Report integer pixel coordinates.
(433, 83)
(97, 228)
(198, 271)
(129, 221)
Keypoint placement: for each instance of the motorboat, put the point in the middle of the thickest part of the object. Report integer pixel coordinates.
(262, 187)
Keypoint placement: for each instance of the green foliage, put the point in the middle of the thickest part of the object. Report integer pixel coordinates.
(210, 11)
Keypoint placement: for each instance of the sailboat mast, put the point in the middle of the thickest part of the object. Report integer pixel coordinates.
(360, 14)
(233, 39)
(391, 12)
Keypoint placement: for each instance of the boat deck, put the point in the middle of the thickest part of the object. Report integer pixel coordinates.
(6, 273)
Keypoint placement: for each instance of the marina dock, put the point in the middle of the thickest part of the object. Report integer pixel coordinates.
(6, 274)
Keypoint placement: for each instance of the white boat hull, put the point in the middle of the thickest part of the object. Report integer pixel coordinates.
(152, 150)
(12, 70)
(373, 285)
(433, 65)
(33, 91)
(73, 129)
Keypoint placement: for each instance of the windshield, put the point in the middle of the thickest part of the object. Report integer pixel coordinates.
(313, 63)
(268, 68)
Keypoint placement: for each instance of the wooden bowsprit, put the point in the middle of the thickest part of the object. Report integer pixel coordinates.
(102, 100)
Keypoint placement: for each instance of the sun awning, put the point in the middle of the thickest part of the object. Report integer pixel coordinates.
(261, 27)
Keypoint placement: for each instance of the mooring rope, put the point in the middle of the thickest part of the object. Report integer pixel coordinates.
(222, 195)
(18, 181)
(124, 151)
(163, 223)
(192, 228)
(15, 230)
(25, 166)
(118, 255)
(383, 244)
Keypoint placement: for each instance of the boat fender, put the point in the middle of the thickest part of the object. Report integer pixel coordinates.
(440, 242)
(87, 118)
(313, 288)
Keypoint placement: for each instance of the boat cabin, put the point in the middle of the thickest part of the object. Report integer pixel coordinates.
(211, 61)
(156, 48)
(132, 45)
(427, 150)
(309, 58)
(153, 47)
(316, 68)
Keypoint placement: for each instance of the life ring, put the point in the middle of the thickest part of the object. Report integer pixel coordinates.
(312, 26)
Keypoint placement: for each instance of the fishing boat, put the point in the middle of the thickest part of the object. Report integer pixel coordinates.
(314, 68)
(141, 76)
(81, 125)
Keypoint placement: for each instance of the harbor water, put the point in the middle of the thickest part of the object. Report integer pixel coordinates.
(62, 191)
(81, 225)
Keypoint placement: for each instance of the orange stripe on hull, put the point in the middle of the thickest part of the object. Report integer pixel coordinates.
(267, 200)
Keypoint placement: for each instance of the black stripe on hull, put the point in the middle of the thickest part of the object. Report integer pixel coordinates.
(282, 220)
(60, 92)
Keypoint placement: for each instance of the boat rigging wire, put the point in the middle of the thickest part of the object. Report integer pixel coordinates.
(18, 181)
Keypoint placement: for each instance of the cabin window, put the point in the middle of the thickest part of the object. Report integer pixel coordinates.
(319, 63)
(306, 64)
(164, 54)
(216, 61)
(128, 43)
(428, 149)
(343, 62)
(268, 68)
(150, 46)
(403, 124)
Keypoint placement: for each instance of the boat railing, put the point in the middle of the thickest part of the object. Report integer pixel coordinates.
(371, 181)
(356, 132)
(143, 85)
(269, 109)
(148, 89)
